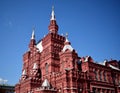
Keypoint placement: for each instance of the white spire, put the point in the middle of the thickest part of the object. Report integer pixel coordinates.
(66, 38)
(33, 34)
(52, 14)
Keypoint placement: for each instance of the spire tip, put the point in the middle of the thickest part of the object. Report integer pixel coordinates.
(52, 7)
(52, 14)
(33, 33)
(66, 35)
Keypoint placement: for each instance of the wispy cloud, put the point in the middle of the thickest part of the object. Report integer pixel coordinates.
(10, 23)
(3, 81)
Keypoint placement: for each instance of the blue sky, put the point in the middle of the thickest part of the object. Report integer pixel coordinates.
(93, 27)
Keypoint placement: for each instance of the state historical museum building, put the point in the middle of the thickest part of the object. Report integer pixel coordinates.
(53, 66)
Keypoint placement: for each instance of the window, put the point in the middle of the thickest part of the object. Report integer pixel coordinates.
(96, 74)
(104, 75)
(46, 68)
(100, 75)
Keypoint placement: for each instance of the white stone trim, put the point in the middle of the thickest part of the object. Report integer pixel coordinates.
(46, 83)
(113, 67)
(70, 88)
(39, 46)
(67, 47)
(103, 87)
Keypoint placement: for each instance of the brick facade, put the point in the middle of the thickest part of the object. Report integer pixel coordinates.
(53, 66)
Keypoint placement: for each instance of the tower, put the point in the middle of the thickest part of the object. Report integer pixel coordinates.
(53, 66)
(52, 44)
(53, 27)
(41, 61)
(31, 73)
(32, 40)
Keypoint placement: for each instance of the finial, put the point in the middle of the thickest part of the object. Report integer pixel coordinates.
(52, 14)
(53, 27)
(53, 8)
(33, 33)
(66, 35)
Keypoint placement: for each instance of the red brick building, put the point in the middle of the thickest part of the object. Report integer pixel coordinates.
(53, 66)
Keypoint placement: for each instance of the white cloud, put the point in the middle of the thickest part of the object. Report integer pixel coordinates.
(3, 81)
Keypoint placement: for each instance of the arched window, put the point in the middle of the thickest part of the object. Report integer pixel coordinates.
(96, 74)
(46, 68)
(104, 75)
(74, 63)
(100, 75)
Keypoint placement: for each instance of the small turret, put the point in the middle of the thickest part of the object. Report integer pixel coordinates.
(53, 27)
(32, 41)
(67, 45)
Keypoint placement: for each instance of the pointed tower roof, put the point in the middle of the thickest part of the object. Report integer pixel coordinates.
(32, 40)
(33, 34)
(53, 27)
(52, 14)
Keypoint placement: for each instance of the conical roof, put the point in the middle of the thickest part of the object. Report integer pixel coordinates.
(67, 46)
(53, 14)
(33, 34)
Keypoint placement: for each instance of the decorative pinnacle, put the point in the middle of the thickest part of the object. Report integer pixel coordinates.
(52, 14)
(52, 8)
(66, 35)
(33, 33)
